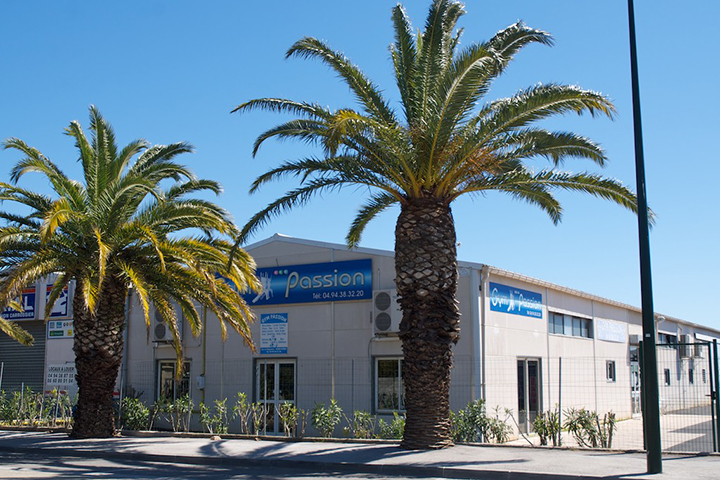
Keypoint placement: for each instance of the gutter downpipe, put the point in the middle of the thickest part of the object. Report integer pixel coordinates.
(475, 299)
(484, 282)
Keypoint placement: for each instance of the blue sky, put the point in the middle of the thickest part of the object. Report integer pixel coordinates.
(171, 71)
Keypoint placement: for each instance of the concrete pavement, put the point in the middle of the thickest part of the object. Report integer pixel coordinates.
(463, 461)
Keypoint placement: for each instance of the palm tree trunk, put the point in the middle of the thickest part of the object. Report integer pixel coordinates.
(426, 281)
(98, 347)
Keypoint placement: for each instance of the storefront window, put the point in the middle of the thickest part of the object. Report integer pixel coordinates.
(388, 384)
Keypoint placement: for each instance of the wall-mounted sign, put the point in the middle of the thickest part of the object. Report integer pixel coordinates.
(317, 282)
(610, 331)
(61, 377)
(27, 300)
(60, 309)
(515, 301)
(273, 333)
(60, 329)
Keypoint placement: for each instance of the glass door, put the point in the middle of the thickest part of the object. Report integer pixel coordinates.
(275, 385)
(528, 376)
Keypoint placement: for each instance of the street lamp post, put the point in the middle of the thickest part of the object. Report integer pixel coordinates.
(650, 391)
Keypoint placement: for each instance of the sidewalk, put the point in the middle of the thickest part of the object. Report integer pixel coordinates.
(464, 461)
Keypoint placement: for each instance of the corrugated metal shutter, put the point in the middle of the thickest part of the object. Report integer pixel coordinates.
(24, 364)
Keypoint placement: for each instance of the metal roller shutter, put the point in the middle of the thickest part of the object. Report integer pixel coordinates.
(23, 364)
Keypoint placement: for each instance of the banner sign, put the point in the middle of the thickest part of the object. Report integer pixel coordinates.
(317, 282)
(60, 329)
(610, 331)
(515, 301)
(273, 333)
(28, 302)
(60, 309)
(61, 377)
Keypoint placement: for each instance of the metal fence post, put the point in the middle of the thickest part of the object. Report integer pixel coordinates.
(559, 435)
(716, 394)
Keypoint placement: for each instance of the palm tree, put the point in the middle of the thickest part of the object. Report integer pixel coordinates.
(116, 230)
(444, 143)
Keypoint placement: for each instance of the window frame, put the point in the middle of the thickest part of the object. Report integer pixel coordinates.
(177, 385)
(569, 325)
(399, 386)
(610, 371)
(667, 375)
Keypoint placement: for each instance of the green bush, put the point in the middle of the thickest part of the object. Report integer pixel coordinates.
(362, 425)
(325, 419)
(393, 430)
(134, 415)
(215, 422)
(547, 426)
(473, 424)
(588, 430)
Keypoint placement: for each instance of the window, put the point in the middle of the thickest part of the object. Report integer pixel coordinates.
(610, 375)
(691, 376)
(388, 384)
(667, 340)
(704, 376)
(667, 376)
(169, 387)
(568, 325)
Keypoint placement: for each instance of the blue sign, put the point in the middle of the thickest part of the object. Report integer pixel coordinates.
(317, 282)
(515, 301)
(60, 309)
(273, 334)
(27, 299)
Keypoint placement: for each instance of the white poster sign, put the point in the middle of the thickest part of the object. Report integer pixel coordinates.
(610, 331)
(273, 333)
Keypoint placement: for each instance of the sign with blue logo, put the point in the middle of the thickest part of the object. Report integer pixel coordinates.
(60, 309)
(317, 282)
(27, 300)
(273, 333)
(515, 301)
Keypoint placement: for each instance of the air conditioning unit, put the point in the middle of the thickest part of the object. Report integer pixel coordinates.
(161, 332)
(685, 347)
(386, 312)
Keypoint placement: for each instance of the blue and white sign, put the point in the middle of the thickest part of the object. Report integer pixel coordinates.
(60, 309)
(317, 282)
(273, 333)
(27, 299)
(515, 301)
(610, 331)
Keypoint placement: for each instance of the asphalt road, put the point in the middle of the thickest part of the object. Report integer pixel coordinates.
(17, 466)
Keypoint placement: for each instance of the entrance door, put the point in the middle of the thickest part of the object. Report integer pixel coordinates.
(636, 408)
(275, 385)
(528, 375)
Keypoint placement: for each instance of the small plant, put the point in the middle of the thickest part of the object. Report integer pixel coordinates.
(217, 423)
(325, 419)
(362, 425)
(288, 415)
(134, 415)
(242, 411)
(393, 430)
(258, 412)
(588, 430)
(547, 426)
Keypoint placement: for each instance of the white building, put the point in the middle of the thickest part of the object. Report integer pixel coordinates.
(326, 328)
(326, 325)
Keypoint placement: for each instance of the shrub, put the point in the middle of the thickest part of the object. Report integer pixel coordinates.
(288, 415)
(588, 430)
(547, 426)
(362, 425)
(325, 419)
(393, 430)
(217, 423)
(134, 415)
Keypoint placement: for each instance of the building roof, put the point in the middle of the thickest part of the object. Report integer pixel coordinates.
(465, 264)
